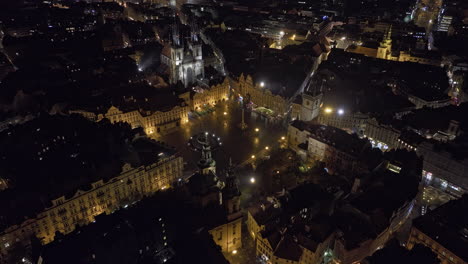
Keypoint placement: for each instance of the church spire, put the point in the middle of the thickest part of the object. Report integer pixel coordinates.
(388, 37)
(175, 34)
(232, 188)
(193, 30)
(206, 163)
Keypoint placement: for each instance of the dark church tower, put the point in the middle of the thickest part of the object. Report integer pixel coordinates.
(231, 194)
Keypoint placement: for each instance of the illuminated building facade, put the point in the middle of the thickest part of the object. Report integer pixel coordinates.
(259, 95)
(63, 200)
(210, 96)
(327, 144)
(154, 122)
(65, 213)
(160, 113)
(380, 135)
(444, 231)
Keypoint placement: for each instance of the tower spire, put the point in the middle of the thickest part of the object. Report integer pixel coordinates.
(175, 33)
(389, 33)
(206, 163)
(193, 30)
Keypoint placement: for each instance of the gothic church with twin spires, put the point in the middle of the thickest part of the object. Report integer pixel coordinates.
(183, 55)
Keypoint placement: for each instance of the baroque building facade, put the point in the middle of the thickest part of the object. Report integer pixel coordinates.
(260, 96)
(153, 122)
(157, 121)
(65, 213)
(210, 96)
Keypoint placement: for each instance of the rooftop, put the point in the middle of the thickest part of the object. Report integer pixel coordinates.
(345, 77)
(64, 154)
(150, 231)
(283, 72)
(140, 96)
(448, 226)
(438, 119)
(340, 139)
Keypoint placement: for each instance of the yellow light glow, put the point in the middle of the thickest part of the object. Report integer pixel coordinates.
(267, 148)
(257, 129)
(328, 110)
(253, 157)
(252, 180)
(224, 113)
(283, 138)
(234, 252)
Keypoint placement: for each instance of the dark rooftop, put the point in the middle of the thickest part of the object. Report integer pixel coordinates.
(435, 119)
(150, 231)
(448, 226)
(340, 139)
(52, 156)
(363, 84)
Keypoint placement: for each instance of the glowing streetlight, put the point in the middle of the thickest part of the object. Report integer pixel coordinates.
(328, 110)
(283, 138)
(343, 38)
(252, 180)
(281, 33)
(234, 252)
(253, 156)
(340, 111)
(267, 148)
(257, 129)
(225, 113)
(140, 69)
(262, 84)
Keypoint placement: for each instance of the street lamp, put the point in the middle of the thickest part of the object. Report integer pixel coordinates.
(262, 84)
(234, 252)
(267, 148)
(328, 110)
(257, 129)
(252, 180)
(283, 138)
(224, 113)
(340, 111)
(253, 156)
